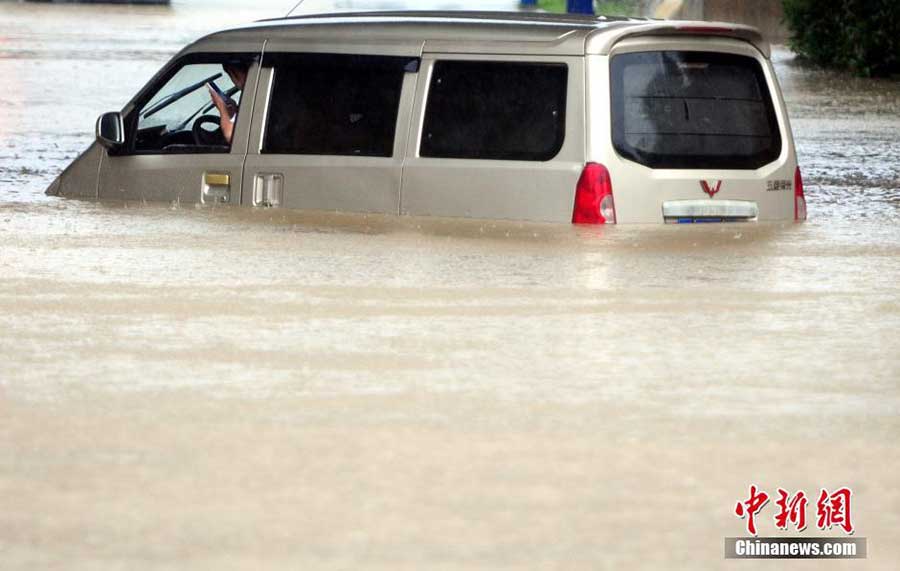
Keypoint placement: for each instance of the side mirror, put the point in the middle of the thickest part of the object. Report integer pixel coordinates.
(111, 130)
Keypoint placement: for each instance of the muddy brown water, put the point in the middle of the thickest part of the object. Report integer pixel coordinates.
(230, 389)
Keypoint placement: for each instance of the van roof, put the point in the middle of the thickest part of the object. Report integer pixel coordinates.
(485, 32)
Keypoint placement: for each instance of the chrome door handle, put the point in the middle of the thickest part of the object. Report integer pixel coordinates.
(268, 190)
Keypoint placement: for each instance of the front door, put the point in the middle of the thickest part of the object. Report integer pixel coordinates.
(179, 147)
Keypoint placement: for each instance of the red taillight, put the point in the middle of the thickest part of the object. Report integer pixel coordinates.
(594, 197)
(799, 197)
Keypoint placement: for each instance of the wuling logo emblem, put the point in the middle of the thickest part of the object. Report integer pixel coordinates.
(711, 190)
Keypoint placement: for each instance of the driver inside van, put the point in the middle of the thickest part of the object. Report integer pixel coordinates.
(227, 107)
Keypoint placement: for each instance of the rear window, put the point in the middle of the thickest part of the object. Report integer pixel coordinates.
(685, 110)
(325, 104)
(495, 110)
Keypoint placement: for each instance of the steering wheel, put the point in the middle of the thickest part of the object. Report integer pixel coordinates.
(202, 137)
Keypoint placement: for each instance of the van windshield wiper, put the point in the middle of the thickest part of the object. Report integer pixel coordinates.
(204, 110)
(170, 99)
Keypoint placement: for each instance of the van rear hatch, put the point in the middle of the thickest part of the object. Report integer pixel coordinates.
(698, 134)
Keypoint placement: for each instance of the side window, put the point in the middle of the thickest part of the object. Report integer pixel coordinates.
(195, 109)
(324, 104)
(495, 110)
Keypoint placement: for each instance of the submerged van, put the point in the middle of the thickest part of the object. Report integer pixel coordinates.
(520, 116)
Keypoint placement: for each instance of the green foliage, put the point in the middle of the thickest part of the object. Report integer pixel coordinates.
(617, 8)
(860, 35)
(552, 5)
(604, 7)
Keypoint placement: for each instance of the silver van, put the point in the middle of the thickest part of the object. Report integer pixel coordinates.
(519, 116)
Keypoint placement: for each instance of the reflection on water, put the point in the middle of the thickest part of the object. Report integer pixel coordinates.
(239, 389)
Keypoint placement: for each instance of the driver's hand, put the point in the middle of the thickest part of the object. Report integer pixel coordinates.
(227, 113)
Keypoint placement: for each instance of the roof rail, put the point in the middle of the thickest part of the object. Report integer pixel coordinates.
(533, 17)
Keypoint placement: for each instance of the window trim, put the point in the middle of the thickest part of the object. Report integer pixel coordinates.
(159, 81)
(769, 101)
(562, 127)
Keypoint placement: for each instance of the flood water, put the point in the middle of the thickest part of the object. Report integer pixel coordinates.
(235, 389)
